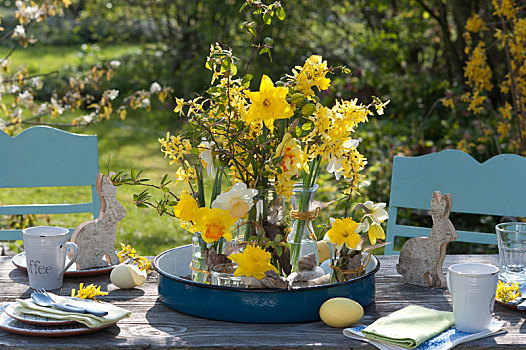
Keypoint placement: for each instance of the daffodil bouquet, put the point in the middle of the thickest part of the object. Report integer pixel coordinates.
(264, 141)
(269, 147)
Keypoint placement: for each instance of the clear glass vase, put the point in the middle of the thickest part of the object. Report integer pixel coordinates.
(198, 263)
(301, 238)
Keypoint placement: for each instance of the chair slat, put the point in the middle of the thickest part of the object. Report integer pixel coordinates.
(46, 209)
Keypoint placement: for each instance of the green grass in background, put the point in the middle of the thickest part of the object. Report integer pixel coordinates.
(44, 59)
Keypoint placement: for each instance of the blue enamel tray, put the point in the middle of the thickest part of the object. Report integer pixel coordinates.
(251, 305)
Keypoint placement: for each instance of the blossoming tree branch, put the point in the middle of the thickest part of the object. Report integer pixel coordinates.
(23, 88)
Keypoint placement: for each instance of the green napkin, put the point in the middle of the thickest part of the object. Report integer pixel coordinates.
(115, 313)
(410, 326)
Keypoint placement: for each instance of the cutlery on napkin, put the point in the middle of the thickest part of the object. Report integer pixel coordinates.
(416, 327)
(115, 313)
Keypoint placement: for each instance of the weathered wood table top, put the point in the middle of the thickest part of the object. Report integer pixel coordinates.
(153, 325)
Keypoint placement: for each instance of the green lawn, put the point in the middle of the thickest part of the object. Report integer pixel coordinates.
(50, 58)
(122, 145)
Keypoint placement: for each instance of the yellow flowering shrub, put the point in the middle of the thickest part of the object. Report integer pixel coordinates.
(505, 111)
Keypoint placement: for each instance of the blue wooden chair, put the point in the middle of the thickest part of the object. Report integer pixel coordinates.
(495, 187)
(42, 156)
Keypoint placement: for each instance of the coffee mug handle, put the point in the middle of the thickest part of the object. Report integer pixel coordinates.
(448, 281)
(72, 246)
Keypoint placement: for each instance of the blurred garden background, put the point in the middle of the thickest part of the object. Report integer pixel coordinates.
(453, 70)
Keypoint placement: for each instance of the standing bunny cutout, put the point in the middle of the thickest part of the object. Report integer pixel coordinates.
(96, 238)
(421, 258)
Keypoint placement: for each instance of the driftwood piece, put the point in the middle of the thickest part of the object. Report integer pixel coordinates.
(96, 238)
(421, 258)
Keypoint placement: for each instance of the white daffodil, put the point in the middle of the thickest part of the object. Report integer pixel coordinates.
(205, 152)
(376, 211)
(363, 226)
(335, 166)
(238, 200)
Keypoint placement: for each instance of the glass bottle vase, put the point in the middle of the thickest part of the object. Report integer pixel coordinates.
(301, 238)
(198, 263)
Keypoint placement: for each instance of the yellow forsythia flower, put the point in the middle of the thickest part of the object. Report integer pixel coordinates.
(89, 292)
(508, 291)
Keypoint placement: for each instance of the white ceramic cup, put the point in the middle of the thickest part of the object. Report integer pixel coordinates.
(473, 288)
(45, 249)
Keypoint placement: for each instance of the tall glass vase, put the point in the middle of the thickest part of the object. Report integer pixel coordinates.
(301, 238)
(198, 264)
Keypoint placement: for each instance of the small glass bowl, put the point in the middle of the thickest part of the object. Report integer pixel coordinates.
(223, 275)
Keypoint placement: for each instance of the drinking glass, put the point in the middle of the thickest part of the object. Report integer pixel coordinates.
(511, 238)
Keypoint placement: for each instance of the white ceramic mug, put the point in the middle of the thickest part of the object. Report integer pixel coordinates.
(473, 287)
(45, 249)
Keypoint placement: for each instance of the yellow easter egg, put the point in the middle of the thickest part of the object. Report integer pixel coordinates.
(323, 251)
(340, 312)
(121, 276)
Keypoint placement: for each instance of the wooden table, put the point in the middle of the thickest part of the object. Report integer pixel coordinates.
(153, 325)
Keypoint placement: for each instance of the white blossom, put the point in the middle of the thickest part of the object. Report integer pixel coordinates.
(19, 31)
(155, 88)
(24, 96)
(205, 152)
(36, 82)
(111, 94)
(114, 64)
(88, 118)
(145, 103)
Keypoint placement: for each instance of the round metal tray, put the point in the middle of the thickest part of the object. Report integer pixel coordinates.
(251, 305)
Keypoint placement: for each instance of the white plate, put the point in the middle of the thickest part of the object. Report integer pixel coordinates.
(19, 261)
(7, 323)
(10, 310)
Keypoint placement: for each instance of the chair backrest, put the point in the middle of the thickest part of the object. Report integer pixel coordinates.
(42, 156)
(495, 187)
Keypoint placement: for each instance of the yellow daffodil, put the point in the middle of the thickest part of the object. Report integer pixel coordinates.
(252, 262)
(344, 231)
(375, 231)
(268, 103)
(213, 223)
(238, 200)
(186, 208)
(291, 153)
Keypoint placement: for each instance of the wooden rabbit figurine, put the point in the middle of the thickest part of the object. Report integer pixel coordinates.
(421, 258)
(96, 238)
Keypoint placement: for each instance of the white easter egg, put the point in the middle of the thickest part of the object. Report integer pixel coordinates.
(340, 312)
(121, 276)
(139, 277)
